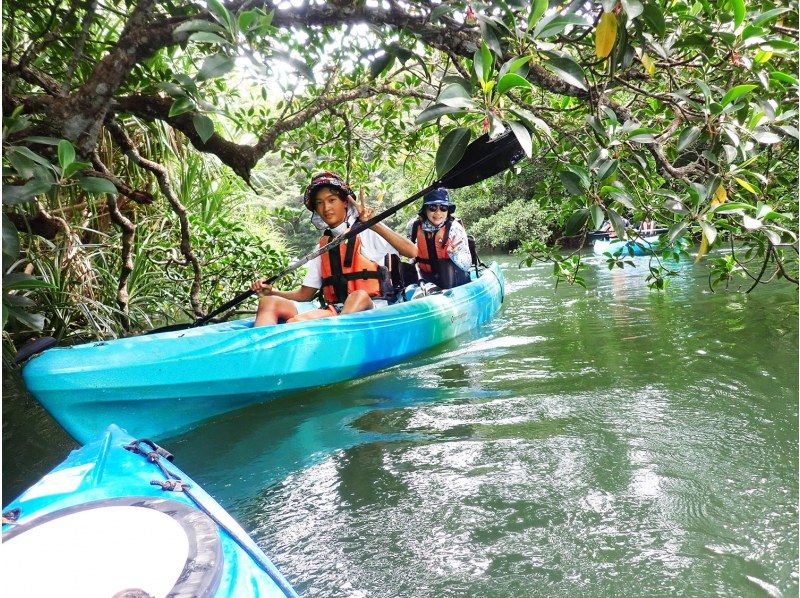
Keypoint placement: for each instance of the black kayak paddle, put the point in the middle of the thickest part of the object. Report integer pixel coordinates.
(482, 158)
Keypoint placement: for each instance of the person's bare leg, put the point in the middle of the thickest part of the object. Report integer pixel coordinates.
(357, 301)
(272, 309)
(312, 314)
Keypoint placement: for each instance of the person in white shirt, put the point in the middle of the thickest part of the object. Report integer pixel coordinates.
(350, 275)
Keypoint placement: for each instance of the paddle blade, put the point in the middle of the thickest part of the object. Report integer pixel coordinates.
(34, 347)
(484, 158)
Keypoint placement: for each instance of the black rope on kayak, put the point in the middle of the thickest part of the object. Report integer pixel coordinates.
(174, 483)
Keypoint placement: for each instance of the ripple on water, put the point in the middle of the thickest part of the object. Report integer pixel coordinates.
(616, 442)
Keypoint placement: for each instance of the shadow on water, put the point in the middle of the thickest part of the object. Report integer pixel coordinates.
(33, 442)
(258, 446)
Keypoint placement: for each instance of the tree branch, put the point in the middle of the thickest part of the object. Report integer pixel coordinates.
(162, 176)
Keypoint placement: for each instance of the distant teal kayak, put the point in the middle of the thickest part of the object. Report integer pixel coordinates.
(157, 384)
(100, 523)
(640, 246)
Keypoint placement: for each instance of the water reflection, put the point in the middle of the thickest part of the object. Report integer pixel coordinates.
(608, 442)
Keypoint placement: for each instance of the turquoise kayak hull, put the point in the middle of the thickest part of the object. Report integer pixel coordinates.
(104, 475)
(643, 246)
(160, 384)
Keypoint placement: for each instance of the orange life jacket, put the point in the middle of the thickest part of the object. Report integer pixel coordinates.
(345, 269)
(431, 244)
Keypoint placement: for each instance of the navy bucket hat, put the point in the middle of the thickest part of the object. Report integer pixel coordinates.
(438, 196)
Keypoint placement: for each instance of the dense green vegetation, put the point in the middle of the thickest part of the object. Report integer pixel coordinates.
(154, 152)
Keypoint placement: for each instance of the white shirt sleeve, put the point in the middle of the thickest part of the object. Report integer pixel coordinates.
(375, 247)
(461, 257)
(313, 277)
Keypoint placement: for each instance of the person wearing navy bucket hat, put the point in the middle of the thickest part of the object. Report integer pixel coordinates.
(443, 256)
(350, 277)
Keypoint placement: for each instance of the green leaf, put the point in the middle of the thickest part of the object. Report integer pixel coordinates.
(617, 223)
(532, 121)
(215, 66)
(654, 17)
(622, 197)
(738, 11)
(490, 35)
(783, 77)
(566, 69)
(208, 38)
(73, 168)
(24, 151)
(439, 11)
(435, 111)
(32, 321)
(42, 140)
(731, 207)
(705, 89)
(676, 231)
(633, 8)
(17, 281)
(10, 239)
(204, 126)
(483, 63)
(221, 14)
(576, 222)
(744, 184)
(537, 10)
(572, 182)
(13, 194)
(687, 137)
(556, 23)
(198, 25)
(751, 223)
(768, 16)
(709, 230)
(181, 105)
(451, 150)
(607, 168)
(246, 18)
(764, 135)
(93, 184)
(455, 96)
(515, 65)
(510, 81)
(642, 135)
(597, 216)
(736, 92)
(381, 64)
(66, 153)
(523, 136)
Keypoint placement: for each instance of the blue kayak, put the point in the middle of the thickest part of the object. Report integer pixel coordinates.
(118, 516)
(640, 246)
(159, 384)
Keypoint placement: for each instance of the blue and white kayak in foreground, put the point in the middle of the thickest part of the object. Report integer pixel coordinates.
(100, 524)
(157, 384)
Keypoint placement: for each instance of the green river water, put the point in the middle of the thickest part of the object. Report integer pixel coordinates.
(609, 442)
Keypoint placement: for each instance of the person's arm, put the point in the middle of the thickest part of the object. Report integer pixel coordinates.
(458, 247)
(403, 246)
